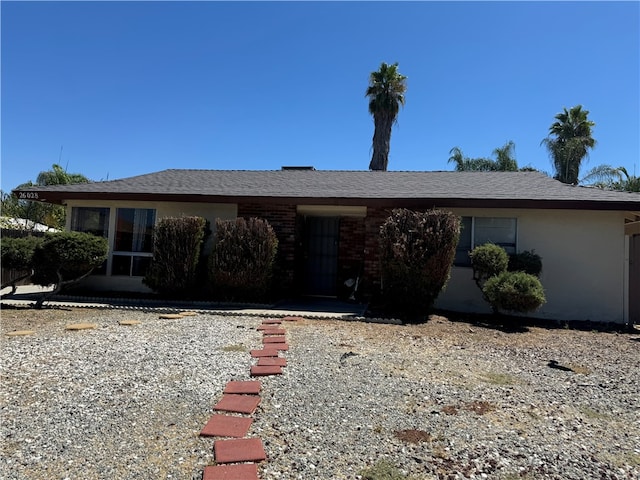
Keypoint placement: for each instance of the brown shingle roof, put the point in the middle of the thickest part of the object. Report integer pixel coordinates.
(516, 189)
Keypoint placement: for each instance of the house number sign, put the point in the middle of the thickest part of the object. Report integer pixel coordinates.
(28, 195)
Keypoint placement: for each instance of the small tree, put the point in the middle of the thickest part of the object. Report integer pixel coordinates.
(527, 261)
(17, 255)
(176, 251)
(241, 264)
(487, 261)
(417, 251)
(515, 292)
(65, 258)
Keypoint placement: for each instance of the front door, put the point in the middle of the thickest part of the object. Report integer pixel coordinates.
(634, 280)
(321, 255)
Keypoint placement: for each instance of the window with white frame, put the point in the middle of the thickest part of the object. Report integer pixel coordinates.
(480, 230)
(93, 220)
(133, 242)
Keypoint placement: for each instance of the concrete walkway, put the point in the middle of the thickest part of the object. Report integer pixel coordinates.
(309, 307)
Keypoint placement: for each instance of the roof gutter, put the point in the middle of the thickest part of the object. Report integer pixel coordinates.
(60, 198)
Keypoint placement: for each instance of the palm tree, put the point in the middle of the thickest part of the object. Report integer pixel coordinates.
(505, 157)
(569, 142)
(40, 212)
(505, 161)
(54, 215)
(458, 158)
(386, 93)
(612, 178)
(466, 164)
(58, 176)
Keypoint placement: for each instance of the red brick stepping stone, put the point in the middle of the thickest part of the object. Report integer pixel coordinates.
(262, 371)
(275, 339)
(292, 319)
(238, 403)
(240, 450)
(278, 346)
(271, 361)
(271, 321)
(226, 426)
(265, 327)
(267, 352)
(250, 388)
(245, 471)
(274, 331)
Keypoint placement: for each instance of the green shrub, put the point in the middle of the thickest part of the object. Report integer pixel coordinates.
(417, 251)
(241, 264)
(514, 292)
(382, 470)
(17, 257)
(66, 256)
(176, 251)
(487, 261)
(17, 253)
(527, 262)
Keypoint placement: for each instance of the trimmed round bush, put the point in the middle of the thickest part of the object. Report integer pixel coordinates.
(487, 261)
(514, 292)
(527, 262)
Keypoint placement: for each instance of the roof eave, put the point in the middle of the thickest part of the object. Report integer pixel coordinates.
(61, 198)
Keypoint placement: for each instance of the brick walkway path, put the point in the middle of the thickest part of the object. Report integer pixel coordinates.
(237, 455)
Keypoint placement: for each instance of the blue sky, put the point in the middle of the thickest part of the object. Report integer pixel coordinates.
(116, 89)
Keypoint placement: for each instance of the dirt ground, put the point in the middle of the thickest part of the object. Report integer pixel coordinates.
(531, 379)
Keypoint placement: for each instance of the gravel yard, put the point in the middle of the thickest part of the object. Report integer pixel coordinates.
(439, 400)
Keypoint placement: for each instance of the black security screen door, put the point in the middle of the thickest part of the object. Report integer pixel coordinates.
(321, 259)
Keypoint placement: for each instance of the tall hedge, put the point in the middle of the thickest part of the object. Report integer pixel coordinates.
(241, 263)
(177, 243)
(417, 251)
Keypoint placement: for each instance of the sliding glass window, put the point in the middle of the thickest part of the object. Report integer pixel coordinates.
(93, 220)
(133, 246)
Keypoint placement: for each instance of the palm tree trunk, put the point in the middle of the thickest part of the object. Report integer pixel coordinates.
(381, 142)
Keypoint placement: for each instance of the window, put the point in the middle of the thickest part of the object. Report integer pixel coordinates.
(133, 245)
(93, 220)
(480, 230)
(90, 220)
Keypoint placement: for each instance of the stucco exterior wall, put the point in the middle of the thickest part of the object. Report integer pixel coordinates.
(583, 262)
(583, 254)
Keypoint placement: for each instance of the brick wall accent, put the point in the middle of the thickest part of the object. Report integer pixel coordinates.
(283, 220)
(374, 220)
(350, 251)
(358, 248)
